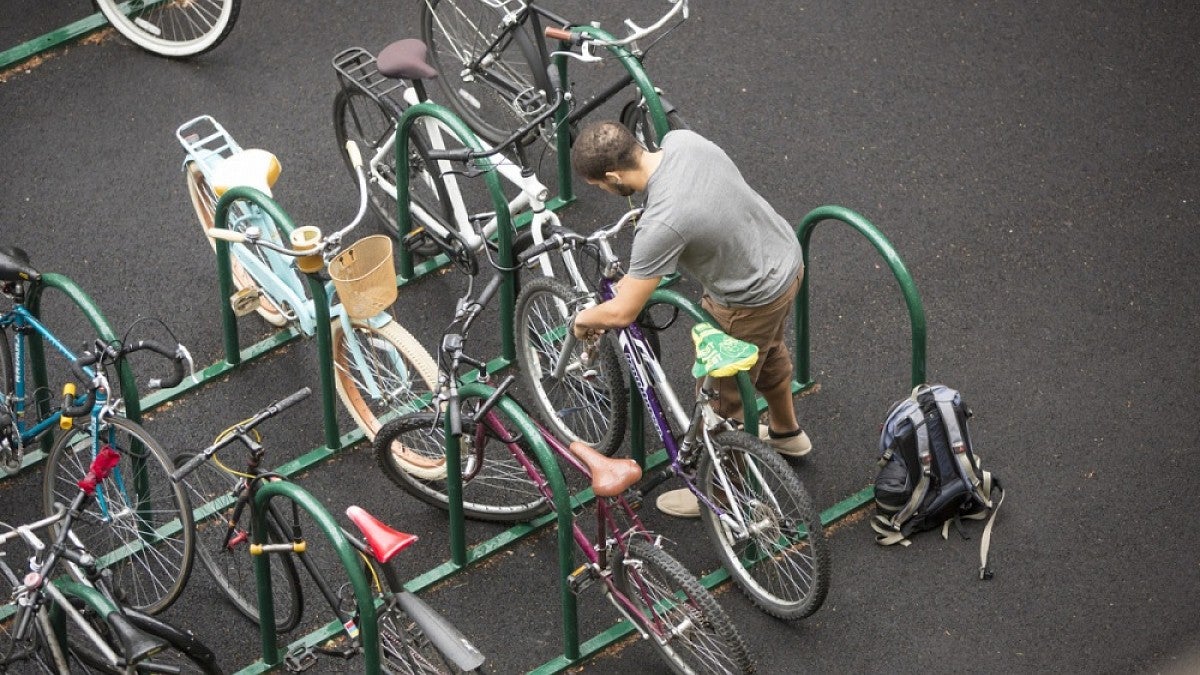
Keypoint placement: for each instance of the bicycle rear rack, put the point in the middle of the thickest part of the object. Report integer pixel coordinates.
(357, 67)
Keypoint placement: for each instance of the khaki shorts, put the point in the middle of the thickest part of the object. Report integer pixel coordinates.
(765, 327)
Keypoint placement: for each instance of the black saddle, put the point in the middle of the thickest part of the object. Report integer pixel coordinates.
(405, 59)
(14, 265)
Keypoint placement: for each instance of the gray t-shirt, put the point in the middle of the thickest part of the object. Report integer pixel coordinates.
(701, 216)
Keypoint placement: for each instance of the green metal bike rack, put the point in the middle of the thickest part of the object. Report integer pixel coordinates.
(233, 356)
(916, 312)
(367, 620)
(504, 227)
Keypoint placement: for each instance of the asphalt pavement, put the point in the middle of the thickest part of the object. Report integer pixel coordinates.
(1034, 164)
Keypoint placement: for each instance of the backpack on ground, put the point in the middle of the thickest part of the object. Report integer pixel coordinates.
(929, 476)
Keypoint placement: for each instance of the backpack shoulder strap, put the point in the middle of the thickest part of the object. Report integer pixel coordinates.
(917, 419)
(958, 445)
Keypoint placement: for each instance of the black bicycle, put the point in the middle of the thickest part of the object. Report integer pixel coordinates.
(413, 638)
(493, 63)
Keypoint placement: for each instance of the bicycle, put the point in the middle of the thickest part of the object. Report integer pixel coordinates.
(501, 481)
(379, 368)
(754, 508)
(51, 627)
(373, 94)
(140, 521)
(172, 28)
(493, 62)
(414, 638)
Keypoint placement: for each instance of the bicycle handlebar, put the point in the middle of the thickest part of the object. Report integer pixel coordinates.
(178, 356)
(239, 431)
(636, 32)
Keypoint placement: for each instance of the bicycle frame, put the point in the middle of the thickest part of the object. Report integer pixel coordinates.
(611, 539)
(23, 322)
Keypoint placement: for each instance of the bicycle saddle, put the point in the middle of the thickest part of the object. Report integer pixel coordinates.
(405, 59)
(254, 168)
(719, 354)
(383, 540)
(610, 476)
(14, 265)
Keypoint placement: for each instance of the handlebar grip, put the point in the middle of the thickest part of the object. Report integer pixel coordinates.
(354, 154)
(291, 400)
(227, 235)
(560, 34)
(177, 356)
(491, 401)
(188, 467)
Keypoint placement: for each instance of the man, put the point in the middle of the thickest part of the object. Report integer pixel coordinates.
(702, 217)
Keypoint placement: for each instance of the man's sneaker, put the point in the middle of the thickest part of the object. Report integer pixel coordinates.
(790, 445)
(680, 503)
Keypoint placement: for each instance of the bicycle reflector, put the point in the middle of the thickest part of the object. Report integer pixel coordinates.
(103, 465)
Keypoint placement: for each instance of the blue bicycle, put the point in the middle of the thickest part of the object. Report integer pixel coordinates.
(140, 523)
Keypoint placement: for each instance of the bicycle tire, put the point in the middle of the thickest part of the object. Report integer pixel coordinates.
(183, 653)
(360, 118)
(204, 202)
(592, 407)
(452, 30)
(499, 491)
(232, 567)
(405, 649)
(790, 577)
(693, 637)
(636, 117)
(173, 29)
(396, 359)
(151, 577)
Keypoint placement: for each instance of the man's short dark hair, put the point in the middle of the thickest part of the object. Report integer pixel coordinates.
(603, 147)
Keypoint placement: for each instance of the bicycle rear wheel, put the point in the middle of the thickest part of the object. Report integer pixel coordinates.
(685, 624)
(173, 28)
(381, 372)
(358, 117)
(495, 92)
(589, 403)
(495, 485)
(782, 562)
(223, 546)
(204, 202)
(140, 524)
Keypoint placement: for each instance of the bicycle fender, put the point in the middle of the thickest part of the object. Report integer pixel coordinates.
(445, 636)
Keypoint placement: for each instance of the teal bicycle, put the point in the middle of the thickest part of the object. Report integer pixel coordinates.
(379, 368)
(140, 522)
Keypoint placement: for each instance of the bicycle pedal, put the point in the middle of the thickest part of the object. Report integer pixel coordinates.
(299, 660)
(583, 577)
(244, 301)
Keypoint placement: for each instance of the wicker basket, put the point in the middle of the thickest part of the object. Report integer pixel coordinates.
(365, 277)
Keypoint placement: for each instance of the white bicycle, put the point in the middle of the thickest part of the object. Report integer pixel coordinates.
(379, 368)
(173, 28)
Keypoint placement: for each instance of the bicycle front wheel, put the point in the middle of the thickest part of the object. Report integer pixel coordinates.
(685, 624)
(778, 554)
(139, 525)
(495, 486)
(358, 117)
(490, 73)
(173, 28)
(381, 372)
(204, 202)
(589, 402)
(223, 537)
